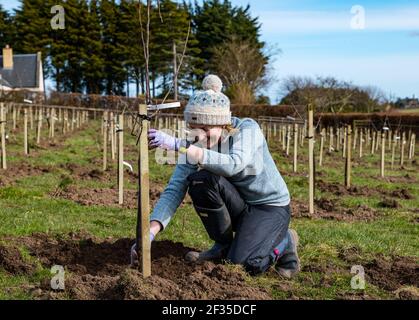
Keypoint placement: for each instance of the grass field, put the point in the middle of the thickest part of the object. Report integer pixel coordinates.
(384, 240)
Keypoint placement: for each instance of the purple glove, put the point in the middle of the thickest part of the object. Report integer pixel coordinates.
(162, 140)
(134, 255)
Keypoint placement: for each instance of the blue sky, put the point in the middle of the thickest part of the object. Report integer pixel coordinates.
(316, 38)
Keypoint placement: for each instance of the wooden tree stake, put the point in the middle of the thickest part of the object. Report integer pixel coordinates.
(52, 123)
(383, 150)
(344, 143)
(411, 144)
(143, 227)
(330, 139)
(39, 128)
(112, 134)
(393, 150)
(31, 118)
(348, 166)
(322, 134)
(373, 142)
(361, 141)
(105, 140)
(402, 143)
(14, 117)
(295, 147)
(121, 158)
(25, 131)
(311, 157)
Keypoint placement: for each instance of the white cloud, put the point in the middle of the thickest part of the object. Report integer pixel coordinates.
(286, 22)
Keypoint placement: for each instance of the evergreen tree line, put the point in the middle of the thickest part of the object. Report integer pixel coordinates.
(100, 50)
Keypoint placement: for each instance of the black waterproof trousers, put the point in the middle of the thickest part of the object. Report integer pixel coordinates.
(251, 231)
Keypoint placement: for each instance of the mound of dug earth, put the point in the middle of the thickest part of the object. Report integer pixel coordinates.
(97, 269)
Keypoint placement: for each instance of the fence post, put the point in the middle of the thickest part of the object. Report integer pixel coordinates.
(3, 136)
(361, 141)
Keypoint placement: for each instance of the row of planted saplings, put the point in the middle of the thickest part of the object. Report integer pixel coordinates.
(370, 140)
(285, 130)
(362, 139)
(24, 118)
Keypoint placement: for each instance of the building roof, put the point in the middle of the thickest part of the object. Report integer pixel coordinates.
(24, 73)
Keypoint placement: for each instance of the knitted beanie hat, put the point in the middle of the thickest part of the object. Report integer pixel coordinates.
(210, 106)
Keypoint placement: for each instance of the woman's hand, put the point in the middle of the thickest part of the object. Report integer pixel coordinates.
(155, 228)
(157, 138)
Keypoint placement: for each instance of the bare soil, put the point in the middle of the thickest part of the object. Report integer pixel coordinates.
(98, 269)
(89, 173)
(21, 170)
(331, 209)
(107, 197)
(388, 273)
(340, 190)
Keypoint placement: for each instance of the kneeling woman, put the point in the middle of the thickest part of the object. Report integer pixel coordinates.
(234, 184)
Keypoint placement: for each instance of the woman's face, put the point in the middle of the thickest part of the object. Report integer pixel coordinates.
(206, 135)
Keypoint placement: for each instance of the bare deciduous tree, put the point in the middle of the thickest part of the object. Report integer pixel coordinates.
(243, 69)
(331, 95)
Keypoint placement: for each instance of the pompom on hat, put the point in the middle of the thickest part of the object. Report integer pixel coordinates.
(210, 106)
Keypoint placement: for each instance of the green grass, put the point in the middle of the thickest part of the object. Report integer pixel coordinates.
(27, 207)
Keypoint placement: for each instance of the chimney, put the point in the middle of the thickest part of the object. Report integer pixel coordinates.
(7, 57)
